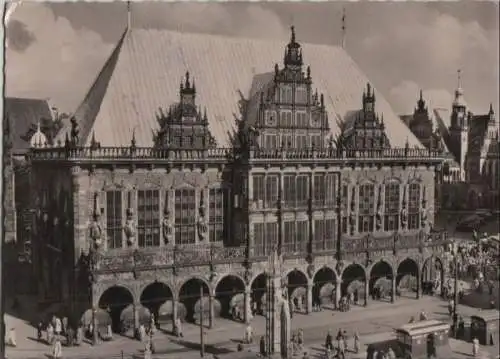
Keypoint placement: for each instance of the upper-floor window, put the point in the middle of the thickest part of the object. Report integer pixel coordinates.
(391, 220)
(301, 119)
(302, 141)
(218, 206)
(301, 95)
(286, 141)
(265, 190)
(185, 216)
(265, 235)
(324, 189)
(286, 94)
(271, 141)
(366, 208)
(316, 141)
(286, 119)
(324, 234)
(344, 204)
(414, 206)
(148, 218)
(295, 190)
(114, 227)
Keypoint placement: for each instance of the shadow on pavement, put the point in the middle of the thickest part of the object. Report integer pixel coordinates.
(209, 349)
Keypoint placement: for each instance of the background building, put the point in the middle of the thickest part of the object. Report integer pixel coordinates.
(159, 188)
(470, 143)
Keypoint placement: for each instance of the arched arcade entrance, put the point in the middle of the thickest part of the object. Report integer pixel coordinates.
(324, 289)
(407, 278)
(259, 288)
(189, 296)
(297, 290)
(157, 297)
(114, 300)
(230, 292)
(380, 284)
(353, 281)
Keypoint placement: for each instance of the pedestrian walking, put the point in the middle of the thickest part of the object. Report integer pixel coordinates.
(39, 331)
(64, 325)
(50, 334)
(57, 349)
(178, 328)
(58, 326)
(475, 347)
(79, 335)
(356, 342)
(142, 332)
(248, 334)
(329, 341)
(262, 346)
(344, 339)
(300, 339)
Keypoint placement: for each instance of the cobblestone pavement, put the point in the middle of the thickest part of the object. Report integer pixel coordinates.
(373, 324)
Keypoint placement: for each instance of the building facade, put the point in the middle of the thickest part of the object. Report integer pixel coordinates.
(469, 143)
(147, 226)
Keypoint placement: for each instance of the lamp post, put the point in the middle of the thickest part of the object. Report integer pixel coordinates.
(202, 343)
(456, 297)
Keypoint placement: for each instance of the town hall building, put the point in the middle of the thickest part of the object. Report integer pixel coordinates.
(193, 157)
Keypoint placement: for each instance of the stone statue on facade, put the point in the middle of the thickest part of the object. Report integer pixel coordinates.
(404, 217)
(75, 131)
(378, 218)
(202, 226)
(96, 233)
(167, 228)
(352, 222)
(129, 228)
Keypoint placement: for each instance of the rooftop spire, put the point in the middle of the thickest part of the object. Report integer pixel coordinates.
(129, 16)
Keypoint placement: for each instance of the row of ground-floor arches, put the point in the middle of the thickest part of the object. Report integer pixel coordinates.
(232, 299)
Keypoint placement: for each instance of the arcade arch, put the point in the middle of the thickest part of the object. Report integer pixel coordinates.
(230, 292)
(380, 284)
(297, 289)
(432, 276)
(158, 298)
(325, 283)
(114, 300)
(189, 296)
(258, 290)
(353, 281)
(407, 277)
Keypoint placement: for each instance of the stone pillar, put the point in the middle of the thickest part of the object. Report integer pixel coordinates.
(338, 293)
(367, 291)
(175, 314)
(419, 285)
(211, 311)
(95, 332)
(393, 294)
(309, 295)
(136, 319)
(248, 310)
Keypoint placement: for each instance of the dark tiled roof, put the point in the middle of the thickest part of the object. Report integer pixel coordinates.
(144, 71)
(23, 115)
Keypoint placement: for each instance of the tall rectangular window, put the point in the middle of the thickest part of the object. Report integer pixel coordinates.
(301, 141)
(270, 141)
(218, 206)
(344, 205)
(270, 237)
(114, 219)
(286, 141)
(302, 190)
(324, 234)
(330, 189)
(414, 206)
(319, 186)
(366, 208)
(265, 190)
(289, 191)
(289, 240)
(302, 236)
(185, 216)
(391, 220)
(148, 216)
(259, 190)
(259, 239)
(316, 141)
(296, 191)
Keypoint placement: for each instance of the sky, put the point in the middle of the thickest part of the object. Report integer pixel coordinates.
(55, 50)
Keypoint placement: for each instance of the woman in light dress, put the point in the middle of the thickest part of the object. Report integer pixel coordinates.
(57, 349)
(475, 347)
(50, 333)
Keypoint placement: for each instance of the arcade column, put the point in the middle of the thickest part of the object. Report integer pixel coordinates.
(136, 318)
(95, 331)
(248, 309)
(211, 311)
(393, 290)
(367, 291)
(309, 298)
(338, 293)
(175, 314)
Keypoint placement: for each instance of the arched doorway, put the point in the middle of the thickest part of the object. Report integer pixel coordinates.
(157, 297)
(325, 282)
(432, 276)
(353, 281)
(189, 295)
(114, 300)
(230, 291)
(407, 278)
(380, 284)
(297, 290)
(259, 288)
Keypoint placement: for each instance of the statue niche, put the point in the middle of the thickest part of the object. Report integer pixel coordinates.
(167, 227)
(184, 126)
(95, 228)
(129, 227)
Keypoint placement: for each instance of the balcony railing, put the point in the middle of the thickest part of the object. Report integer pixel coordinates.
(149, 153)
(186, 255)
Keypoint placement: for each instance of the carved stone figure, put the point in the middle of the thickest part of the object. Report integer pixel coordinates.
(129, 228)
(378, 218)
(404, 217)
(352, 222)
(167, 227)
(96, 233)
(202, 226)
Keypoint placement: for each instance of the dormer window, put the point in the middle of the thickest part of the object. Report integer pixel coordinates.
(286, 95)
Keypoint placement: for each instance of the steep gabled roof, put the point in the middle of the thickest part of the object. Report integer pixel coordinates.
(143, 74)
(23, 115)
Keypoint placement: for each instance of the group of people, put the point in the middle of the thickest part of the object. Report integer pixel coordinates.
(340, 348)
